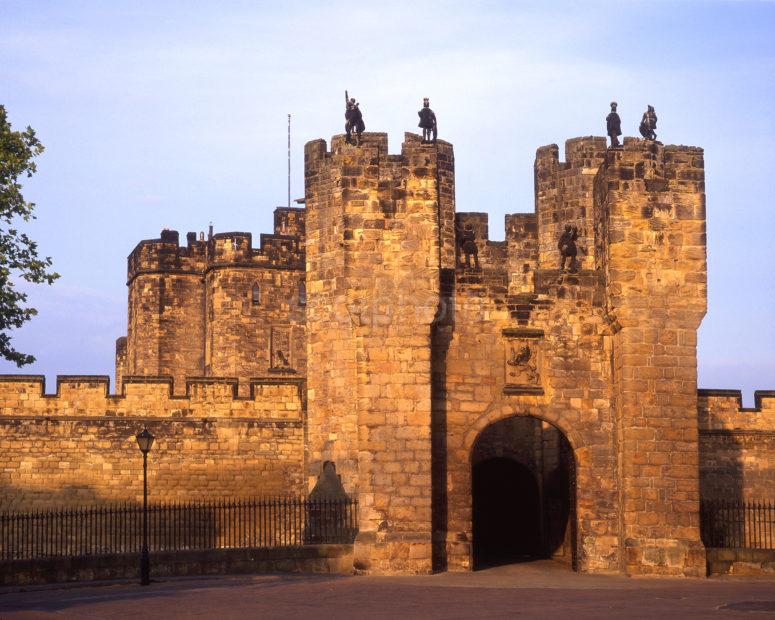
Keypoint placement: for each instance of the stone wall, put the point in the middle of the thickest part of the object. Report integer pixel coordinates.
(606, 355)
(737, 446)
(165, 323)
(77, 447)
(165, 564)
(255, 319)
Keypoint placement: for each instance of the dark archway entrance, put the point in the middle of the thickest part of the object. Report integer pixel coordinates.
(506, 516)
(523, 493)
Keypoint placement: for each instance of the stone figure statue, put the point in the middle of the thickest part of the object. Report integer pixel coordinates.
(613, 125)
(567, 247)
(427, 122)
(468, 245)
(353, 120)
(648, 124)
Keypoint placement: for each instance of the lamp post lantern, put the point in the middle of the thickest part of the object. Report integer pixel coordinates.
(144, 442)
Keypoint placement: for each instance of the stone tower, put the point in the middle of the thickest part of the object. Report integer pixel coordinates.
(217, 307)
(651, 205)
(380, 228)
(166, 324)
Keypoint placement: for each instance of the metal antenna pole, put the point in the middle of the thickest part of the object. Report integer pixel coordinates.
(289, 160)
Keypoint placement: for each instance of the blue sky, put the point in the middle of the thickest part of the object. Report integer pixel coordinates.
(173, 114)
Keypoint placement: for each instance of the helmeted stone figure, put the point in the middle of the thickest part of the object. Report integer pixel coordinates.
(648, 124)
(613, 125)
(567, 247)
(427, 122)
(353, 121)
(468, 245)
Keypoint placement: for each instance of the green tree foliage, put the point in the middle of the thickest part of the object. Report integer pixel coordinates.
(18, 253)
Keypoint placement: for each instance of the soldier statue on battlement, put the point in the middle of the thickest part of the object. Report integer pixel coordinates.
(353, 120)
(613, 125)
(648, 124)
(427, 122)
(567, 247)
(467, 237)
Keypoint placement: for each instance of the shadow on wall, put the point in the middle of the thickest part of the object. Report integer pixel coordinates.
(29, 499)
(50, 462)
(441, 336)
(722, 482)
(721, 465)
(170, 479)
(109, 528)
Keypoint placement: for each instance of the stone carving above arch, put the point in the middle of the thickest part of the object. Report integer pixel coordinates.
(522, 363)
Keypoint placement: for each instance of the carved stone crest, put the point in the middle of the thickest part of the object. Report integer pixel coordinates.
(522, 363)
(280, 356)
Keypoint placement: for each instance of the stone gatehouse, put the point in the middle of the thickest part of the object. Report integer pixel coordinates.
(477, 398)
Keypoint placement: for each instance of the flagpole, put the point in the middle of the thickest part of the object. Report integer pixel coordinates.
(289, 160)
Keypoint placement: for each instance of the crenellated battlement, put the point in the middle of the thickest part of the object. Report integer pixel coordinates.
(165, 255)
(584, 191)
(564, 194)
(283, 249)
(516, 255)
(236, 249)
(723, 410)
(150, 397)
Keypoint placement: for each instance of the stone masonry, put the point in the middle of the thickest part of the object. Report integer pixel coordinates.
(381, 331)
(77, 447)
(373, 255)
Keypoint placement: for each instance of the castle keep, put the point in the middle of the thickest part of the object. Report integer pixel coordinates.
(476, 398)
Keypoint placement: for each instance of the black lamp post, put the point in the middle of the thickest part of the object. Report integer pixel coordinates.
(145, 441)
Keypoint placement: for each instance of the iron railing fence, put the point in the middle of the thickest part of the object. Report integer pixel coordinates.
(218, 524)
(738, 524)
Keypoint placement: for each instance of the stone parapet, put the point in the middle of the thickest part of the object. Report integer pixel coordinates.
(723, 410)
(150, 397)
(565, 196)
(737, 446)
(284, 248)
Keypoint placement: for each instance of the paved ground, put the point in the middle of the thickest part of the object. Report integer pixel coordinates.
(536, 590)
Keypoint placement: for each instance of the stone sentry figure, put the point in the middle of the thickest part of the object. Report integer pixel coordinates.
(567, 247)
(353, 120)
(613, 125)
(468, 245)
(648, 124)
(427, 122)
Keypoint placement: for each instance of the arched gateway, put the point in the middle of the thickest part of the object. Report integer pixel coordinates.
(523, 493)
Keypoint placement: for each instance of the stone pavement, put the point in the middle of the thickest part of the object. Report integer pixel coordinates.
(535, 590)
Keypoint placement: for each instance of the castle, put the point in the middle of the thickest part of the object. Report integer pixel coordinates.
(475, 397)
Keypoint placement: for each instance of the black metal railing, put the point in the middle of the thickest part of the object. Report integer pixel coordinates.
(738, 524)
(219, 524)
